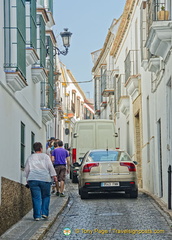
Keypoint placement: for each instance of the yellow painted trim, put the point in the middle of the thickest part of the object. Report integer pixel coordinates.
(123, 26)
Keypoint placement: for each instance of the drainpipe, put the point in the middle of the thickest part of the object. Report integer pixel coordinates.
(169, 187)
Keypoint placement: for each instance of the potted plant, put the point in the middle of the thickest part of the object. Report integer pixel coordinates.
(163, 14)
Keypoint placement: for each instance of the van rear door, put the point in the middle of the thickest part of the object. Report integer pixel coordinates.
(105, 134)
(85, 140)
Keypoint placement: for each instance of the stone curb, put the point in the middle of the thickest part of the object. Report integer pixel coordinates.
(40, 233)
(159, 202)
(26, 229)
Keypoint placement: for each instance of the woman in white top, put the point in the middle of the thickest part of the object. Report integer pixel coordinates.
(39, 170)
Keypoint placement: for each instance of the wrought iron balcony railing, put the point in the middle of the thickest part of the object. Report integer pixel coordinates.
(159, 10)
(131, 64)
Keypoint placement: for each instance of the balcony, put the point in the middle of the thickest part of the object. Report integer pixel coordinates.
(38, 74)
(57, 103)
(132, 87)
(107, 84)
(121, 89)
(132, 75)
(103, 104)
(50, 22)
(15, 80)
(31, 56)
(108, 90)
(47, 115)
(124, 105)
(131, 65)
(159, 39)
(97, 112)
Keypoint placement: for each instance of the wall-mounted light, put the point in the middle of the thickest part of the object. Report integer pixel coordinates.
(66, 35)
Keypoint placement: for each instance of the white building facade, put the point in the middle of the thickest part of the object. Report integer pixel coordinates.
(28, 76)
(74, 105)
(138, 60)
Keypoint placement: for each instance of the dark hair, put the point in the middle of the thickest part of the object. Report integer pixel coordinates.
(37, 146)
(55, 144)
(60, 143)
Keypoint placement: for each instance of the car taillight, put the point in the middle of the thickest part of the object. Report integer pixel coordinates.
(88, 166)
(131, 166)
(73, 155)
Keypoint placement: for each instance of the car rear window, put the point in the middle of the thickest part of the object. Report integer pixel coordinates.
(124, 157)
(104, 156)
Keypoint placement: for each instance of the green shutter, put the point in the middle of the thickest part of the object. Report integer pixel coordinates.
(33, 23)
(50, 6)
(21, 37)
(50, 65)
(42, 43)
(41, 2)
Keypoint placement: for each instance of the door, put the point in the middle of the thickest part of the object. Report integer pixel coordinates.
(105, 135)
(160, 159)
(85, 140)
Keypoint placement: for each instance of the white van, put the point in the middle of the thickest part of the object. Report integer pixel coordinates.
(88, 135)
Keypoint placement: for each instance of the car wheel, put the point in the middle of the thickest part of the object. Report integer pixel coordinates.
(70, 175)
(74, 179)
(134, 194)
(83, 194)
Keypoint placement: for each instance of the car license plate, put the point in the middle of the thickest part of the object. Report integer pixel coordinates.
(109, 184)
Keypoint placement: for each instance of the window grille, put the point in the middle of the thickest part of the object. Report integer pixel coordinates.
(103, 81)
(22, 153)
(15, 36)
(131, 64)
(32, 141)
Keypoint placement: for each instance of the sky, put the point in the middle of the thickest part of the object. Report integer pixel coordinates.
(89, 22)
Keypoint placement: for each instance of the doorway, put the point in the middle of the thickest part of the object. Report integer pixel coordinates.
(138, 147)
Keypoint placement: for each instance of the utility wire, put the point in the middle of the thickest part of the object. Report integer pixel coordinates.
(79, 82)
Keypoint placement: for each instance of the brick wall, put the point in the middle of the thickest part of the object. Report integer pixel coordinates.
(15, 203)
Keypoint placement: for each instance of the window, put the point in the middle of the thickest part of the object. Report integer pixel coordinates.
(22, 158)
(15, 36)
(148, 129)
(78, 106)
(73, 101)
(32, 141)
(97, 93)
(73, 96)
(124, 157)
(103, 81)
(119, 87)
(103, 156)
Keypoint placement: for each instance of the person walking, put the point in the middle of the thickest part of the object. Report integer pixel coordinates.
(60, 158)
(39, 170)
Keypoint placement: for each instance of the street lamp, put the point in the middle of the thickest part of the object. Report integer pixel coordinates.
(66, 42)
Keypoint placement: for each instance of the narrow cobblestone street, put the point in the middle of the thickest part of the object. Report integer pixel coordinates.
(111, 217)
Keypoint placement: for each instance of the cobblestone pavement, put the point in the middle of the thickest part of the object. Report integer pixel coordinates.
(111, 217)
